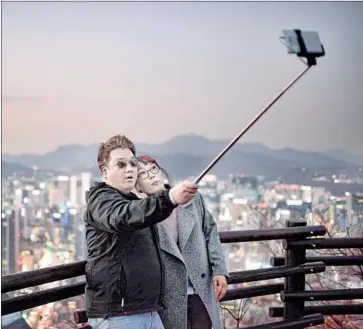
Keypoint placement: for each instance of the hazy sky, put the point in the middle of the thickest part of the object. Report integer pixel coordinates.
(80, 72)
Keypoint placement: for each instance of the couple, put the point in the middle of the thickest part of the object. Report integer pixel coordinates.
(154, 262)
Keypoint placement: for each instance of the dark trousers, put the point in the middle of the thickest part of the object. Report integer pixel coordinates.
(198, 317)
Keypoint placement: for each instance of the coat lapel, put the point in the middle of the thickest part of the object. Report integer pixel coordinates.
(168, 244)
(186, 222)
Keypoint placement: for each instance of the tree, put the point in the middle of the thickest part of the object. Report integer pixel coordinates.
(344, 277)
(332, 278)
(250, 311)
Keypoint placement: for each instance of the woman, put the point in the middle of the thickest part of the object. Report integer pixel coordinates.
(195, 269)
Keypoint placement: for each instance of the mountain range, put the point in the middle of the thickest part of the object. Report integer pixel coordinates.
(188, 155)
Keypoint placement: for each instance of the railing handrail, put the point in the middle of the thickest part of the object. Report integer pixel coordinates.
(272, 234)
(306, 321)
(275, 272)
(330, 243)
(72, 290)
(21, 280)
(294, 267)
(33, 299)
(327, 260)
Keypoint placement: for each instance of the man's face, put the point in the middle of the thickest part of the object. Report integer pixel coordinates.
(121, 171)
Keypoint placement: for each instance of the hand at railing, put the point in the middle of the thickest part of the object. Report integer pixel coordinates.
(220, 286)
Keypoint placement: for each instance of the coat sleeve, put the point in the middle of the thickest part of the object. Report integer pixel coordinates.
(111, 212)
(214, 245)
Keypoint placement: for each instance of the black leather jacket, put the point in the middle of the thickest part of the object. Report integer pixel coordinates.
(124, 271)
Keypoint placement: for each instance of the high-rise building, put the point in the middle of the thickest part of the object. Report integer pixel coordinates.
(43, 194)
(4, 247)
(73, 190)
(18, 198)
(59, 190)
(86, 178)
(244, 187)
(63, 185)
(355, 213)
(78, 186)
(341, 212)
(10, 242)
(81, 246)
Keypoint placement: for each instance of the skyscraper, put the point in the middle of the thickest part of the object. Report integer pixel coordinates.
(86, 178)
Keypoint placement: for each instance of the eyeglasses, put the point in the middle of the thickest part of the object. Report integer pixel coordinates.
(145, 174)
(122, 163)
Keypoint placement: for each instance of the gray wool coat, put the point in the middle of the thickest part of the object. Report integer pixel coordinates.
(200, 257)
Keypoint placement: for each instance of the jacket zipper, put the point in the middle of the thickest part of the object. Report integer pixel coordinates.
(122, 285)
(156, 239)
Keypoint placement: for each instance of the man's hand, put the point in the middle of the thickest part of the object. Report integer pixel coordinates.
(183, 192)
(220, 286)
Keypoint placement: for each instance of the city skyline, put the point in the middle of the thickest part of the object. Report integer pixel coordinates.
(74, 71)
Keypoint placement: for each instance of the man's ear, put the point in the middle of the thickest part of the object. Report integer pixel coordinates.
(104, 171)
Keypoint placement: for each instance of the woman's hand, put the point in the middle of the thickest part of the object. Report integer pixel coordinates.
(220, 286)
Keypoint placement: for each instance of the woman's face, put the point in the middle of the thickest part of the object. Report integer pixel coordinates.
(150, 179)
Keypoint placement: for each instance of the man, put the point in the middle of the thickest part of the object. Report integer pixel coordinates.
(124, 272)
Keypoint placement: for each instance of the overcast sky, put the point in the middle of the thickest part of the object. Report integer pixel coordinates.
(80, 72)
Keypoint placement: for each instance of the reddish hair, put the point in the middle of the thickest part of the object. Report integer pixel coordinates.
(145, 159)
(112, 143)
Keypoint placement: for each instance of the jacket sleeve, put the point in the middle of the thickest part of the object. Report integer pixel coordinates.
(214, 245)
(111, 212)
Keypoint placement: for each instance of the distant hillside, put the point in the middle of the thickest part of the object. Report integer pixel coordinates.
(76, 156)
(344, 155)
(188, 155)
(8, 169)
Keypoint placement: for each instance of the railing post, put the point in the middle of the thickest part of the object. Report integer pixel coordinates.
(294, 257)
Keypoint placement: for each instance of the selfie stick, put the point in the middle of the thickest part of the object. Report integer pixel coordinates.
(234, 141)
(303, 52)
